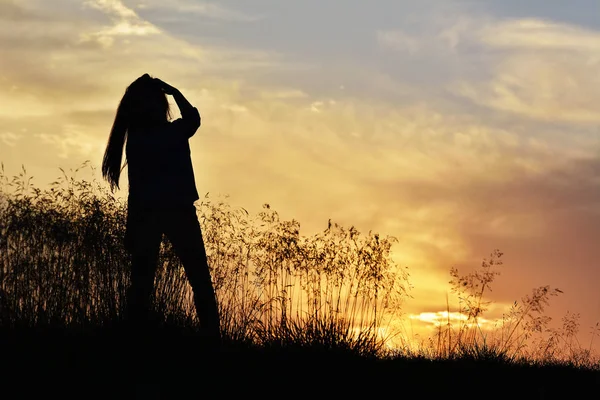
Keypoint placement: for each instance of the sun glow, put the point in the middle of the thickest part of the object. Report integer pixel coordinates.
(440, 318)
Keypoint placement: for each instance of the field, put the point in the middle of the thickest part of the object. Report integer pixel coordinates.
(300, 315)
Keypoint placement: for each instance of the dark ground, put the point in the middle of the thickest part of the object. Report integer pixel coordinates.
(170, 364)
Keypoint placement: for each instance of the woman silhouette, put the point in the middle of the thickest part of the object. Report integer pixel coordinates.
(162, 192)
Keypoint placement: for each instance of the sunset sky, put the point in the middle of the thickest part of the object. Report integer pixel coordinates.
(456, 126)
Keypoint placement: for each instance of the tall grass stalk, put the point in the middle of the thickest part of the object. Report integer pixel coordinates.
(62, 262)
(523, 334)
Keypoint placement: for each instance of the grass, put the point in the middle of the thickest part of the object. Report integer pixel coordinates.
(297, 311)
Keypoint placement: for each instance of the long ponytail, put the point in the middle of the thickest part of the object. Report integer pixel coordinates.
(111, 164)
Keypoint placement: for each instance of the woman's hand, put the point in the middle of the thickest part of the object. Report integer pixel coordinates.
(165, 87)
(187, 110)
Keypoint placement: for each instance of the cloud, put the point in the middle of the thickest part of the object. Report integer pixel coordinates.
(114, 8)
(537, 34)
(73, 142)
(9, 138)
(210, 10)
(439, 318)
(537, 69)
(398, 40)
(52, 63)
(26, 28)
(439, 35)
(547, 71)
(10, 10)
(546, 88)
(125, 23)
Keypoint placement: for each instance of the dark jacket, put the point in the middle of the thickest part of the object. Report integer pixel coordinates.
(159, 163)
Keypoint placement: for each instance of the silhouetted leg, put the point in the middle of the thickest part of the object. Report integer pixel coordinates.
(143, 238)
(183, 230)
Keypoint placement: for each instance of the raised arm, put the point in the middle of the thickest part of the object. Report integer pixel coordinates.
(189, 113)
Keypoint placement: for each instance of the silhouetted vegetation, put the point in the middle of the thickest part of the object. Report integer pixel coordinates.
(523, 333)
(286, 300)
(65, 265)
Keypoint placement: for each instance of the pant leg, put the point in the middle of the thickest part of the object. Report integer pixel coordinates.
(184, 233)
(143, 238)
